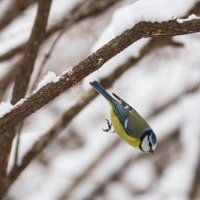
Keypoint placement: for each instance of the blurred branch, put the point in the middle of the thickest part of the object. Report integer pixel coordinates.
(47, 56)
(31, 51)
(8, 78)
(18, 133)
(11, 53)
(22, 80)
(93, 62)
(13, 11)
(78, 13)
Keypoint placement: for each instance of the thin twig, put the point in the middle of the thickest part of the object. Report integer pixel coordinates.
(18, 144)
(52, 47)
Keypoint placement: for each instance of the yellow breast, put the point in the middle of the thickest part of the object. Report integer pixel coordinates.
(135, 142)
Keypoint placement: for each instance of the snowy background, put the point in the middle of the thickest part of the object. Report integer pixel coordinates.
(84, 162)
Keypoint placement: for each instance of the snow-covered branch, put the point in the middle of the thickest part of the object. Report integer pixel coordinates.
(93, 62)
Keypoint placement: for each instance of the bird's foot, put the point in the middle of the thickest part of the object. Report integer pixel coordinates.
(109, 124)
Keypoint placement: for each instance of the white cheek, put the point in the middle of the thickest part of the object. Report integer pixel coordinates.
(145, 144)
(154, 147)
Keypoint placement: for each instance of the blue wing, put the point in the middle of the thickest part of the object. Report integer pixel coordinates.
(132, 122)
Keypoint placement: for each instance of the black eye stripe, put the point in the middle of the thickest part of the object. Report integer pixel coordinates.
(150, 143)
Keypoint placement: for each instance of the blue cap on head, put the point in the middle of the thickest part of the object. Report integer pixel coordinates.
(153, 138)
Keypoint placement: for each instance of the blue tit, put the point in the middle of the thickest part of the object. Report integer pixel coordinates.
(127, 123)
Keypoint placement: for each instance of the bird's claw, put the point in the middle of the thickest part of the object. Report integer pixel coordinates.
(109, 124)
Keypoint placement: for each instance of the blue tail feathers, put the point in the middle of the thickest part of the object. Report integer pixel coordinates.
(99, 88)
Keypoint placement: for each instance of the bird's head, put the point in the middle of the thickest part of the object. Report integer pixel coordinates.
(148, 141)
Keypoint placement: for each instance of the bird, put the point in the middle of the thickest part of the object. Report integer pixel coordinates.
(128, 123)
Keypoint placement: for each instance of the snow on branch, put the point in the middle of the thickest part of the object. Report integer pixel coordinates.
(191, 17)
(149, 11)
(92, 63)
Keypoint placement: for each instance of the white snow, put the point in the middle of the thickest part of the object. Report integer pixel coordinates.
(68, 71)
(21, 101)
(149, 11)
(5, 107)
(191, 17)
(49, 78)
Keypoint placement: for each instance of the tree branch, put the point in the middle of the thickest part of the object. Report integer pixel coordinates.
(92, 63)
